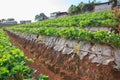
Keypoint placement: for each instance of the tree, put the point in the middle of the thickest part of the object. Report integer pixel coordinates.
(73, 9)
(3, 20)
(81, 6)
(41, 17)
(89, 7)
(114, 3)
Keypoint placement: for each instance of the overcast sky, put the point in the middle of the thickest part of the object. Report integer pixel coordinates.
(27, 9)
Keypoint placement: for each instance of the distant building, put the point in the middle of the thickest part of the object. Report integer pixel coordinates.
(58, 14)
(25, 21)
(8, 22)
(103, 6)
(118, 4)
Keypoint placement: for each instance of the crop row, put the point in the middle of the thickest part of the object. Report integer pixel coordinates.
(94, 19)
(102, 37)
(12, 61)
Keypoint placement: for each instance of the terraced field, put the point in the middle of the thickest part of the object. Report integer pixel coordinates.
(73, 48)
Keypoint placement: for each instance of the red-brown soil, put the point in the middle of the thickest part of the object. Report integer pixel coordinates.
(60, 66)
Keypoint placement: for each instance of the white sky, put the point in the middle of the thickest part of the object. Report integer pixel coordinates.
(27, 9)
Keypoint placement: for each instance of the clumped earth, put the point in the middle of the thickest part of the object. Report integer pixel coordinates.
(62, 66)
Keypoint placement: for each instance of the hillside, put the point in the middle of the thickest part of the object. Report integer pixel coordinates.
(73, 47)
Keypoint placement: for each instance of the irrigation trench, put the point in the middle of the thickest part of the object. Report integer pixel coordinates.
(61, 66)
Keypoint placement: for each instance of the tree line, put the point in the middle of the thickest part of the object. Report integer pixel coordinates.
(88, 7)
(81, 8)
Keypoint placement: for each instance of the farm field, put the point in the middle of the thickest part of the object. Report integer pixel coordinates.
(66, 46)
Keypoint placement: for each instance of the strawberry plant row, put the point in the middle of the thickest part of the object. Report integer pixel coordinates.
(102, 37)
(13, 62)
